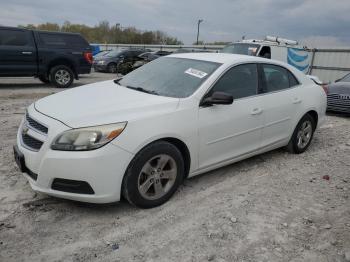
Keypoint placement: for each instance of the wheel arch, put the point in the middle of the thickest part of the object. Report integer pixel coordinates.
(62, 61)
(178, 143)
(314, 115)
(312, 112)
(182, 147)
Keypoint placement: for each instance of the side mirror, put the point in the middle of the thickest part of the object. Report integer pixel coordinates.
(336, 81)
(218, 98)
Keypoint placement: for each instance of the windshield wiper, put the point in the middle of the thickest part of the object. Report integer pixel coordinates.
(143, 90)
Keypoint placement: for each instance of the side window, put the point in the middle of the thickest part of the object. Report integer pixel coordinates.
(14, 38)
(276, 78)
(265, 52)
(52, 39)
(292, 80)
(127, 55)
(240, 81)
(75, 41)
(63, 40)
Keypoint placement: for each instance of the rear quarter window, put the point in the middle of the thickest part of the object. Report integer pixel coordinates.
(293, 81)
(63, 40)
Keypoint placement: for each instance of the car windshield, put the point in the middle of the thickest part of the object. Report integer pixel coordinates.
(170, 76)
(346, 78)
(241, 49)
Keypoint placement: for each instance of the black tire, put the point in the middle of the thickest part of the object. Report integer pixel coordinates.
(112, 68)
(44, 79)
(61, 76)
(293, 145)
(131, 182)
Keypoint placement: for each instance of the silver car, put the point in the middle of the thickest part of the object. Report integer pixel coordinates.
(338, 98)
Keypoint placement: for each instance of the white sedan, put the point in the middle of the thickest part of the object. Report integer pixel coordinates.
(176, 117)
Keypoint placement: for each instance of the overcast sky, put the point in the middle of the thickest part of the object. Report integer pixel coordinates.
(316, 22)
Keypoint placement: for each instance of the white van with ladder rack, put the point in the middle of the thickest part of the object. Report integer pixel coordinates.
(276, 48)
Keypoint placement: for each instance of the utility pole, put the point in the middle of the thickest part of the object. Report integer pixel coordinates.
(199, 22)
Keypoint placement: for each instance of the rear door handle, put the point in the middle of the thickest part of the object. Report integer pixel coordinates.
(296, 100)
(256, 111)
(27, 53)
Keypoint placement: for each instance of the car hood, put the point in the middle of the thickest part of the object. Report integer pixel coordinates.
(339, 88)
(103, 103)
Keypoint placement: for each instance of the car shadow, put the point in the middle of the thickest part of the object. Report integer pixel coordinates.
(338, 114)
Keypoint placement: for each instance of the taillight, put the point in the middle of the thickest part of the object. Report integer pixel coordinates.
(88, 57)
(325, 88)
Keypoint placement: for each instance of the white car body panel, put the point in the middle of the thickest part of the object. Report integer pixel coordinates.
(105, 102)
(228, 131)
(214, 136)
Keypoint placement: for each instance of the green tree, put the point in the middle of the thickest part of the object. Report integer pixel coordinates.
(105, 33)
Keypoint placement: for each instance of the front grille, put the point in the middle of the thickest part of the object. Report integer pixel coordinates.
(36, 125)
(334, 102)
(31, 142)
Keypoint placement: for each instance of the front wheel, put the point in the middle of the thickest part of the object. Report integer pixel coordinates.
(153, 175)
(302, 135)
(61, 76)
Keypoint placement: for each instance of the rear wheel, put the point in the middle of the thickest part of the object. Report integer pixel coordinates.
(61, 76)
(154, 175)
(302, 135)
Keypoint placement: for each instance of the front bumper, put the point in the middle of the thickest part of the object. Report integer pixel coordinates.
(336, 104)
(103, 169)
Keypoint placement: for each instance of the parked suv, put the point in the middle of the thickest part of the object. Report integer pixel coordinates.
(118, 61)
(53, 57)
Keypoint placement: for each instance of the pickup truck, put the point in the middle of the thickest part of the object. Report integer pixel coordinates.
(53, 57)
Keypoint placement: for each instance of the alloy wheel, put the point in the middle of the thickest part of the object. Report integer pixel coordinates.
(157, 177)
(62, 77)
(304, 134)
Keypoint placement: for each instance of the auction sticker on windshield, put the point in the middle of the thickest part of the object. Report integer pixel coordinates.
(196, 73)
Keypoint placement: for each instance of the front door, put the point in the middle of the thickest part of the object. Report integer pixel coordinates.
(17, 52)
(230, 131)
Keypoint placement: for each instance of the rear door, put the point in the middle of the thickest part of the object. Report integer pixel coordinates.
(281, 100)
(18, 54)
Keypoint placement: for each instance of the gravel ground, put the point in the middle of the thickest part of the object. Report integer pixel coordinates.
(273, 207)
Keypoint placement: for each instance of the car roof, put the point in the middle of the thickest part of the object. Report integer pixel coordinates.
(40, 31)
(221, 58)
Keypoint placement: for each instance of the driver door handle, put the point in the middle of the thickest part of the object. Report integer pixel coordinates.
(256, 111)
(27, 53)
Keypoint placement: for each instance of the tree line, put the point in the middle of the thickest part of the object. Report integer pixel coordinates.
(110, 34)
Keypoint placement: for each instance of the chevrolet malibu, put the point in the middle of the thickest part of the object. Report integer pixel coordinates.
(179, 116)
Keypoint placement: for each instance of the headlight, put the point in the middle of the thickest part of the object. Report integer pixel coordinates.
(88, 138)
(101, 62)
